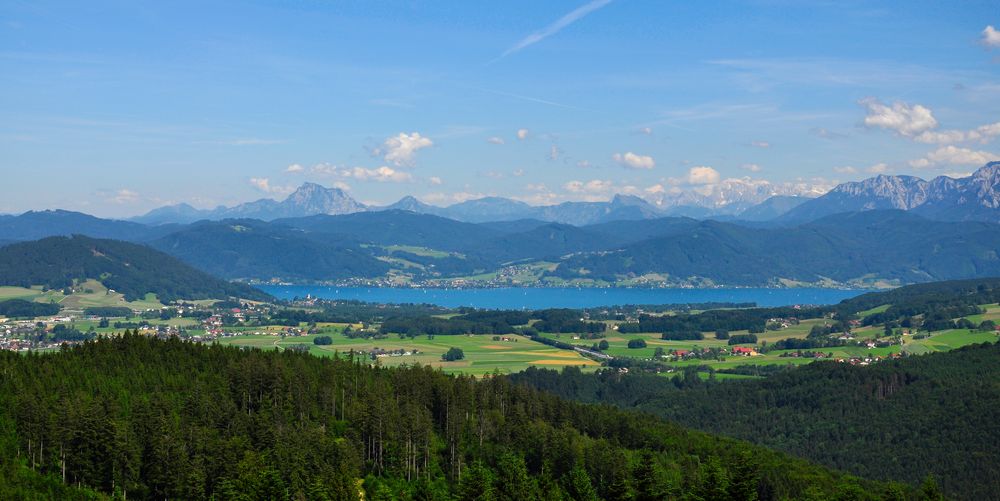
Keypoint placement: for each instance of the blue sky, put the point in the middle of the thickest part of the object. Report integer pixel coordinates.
(114, 108)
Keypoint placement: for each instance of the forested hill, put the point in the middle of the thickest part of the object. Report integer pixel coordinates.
(150, 419)
(932, 414)
(131, 269)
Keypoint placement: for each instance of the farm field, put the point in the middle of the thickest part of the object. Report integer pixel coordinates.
(938, 341)
(483, 355)
(93, 293)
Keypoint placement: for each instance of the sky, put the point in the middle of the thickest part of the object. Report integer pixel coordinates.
(117, 107)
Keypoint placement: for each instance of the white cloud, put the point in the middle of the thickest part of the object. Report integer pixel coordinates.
(597, 189)
(845, 170)
(517, 172)
(401, 150)
(583, 164)
(983, 134)
(703, 175)
(879, 168)
(592, 186)
(554, 152)
(634, 161)
(522, 134)
(953, 155)
(125, 196)
(991, 37)
(294, 169)
(905, 119)
(957, 175)
(760, 144)
(751, 167)
(263, 184)
(434, 180)
(457, 197)
(495, 140)
(646, 130)
(383, 174)
(556, 26)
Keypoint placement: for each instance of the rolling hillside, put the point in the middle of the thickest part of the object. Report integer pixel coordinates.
(890, 245)
(130, 269)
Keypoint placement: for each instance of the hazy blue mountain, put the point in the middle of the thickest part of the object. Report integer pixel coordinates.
(410, 203)
(489, 209)
(516, 226)
(396, 227)
(40, 224)
(549, 241)
(497, 209)
(894, 245)
(179, 213)
(771, 208)
(619, 233)
(251, 249)
(973, 198)
(309, 199)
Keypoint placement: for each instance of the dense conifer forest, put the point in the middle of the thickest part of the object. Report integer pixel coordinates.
(143, 418)
(936, 414)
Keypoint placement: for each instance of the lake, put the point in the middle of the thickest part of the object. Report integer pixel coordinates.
(539, 298)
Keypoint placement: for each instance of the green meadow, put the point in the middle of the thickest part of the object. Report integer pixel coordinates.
(483, 355)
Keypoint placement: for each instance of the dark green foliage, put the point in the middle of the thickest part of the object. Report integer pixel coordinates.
(490, 322)
(453, 354)
(636, 343)
(897, 420)
(19, 308)
(322, 340)
(152, 419)
(682, 336)
(133, 270)
(564, 320)
(108, 311)
(63, 332)
(742, 339)
(730, 320)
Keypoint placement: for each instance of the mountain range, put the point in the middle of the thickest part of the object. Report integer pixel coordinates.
(973, 198)
(866, 248)
(312, 199)
(886, 230)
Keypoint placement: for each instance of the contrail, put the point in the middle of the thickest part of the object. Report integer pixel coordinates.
(555, 27)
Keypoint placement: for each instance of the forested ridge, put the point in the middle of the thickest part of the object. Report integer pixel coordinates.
(935, 414)
(143, 418)
(131, 269)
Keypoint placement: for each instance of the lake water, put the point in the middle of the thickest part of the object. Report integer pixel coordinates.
(538, 298)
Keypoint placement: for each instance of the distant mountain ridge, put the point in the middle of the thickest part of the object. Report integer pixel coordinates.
(972, 198)
(731, 198)
(309, 199)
